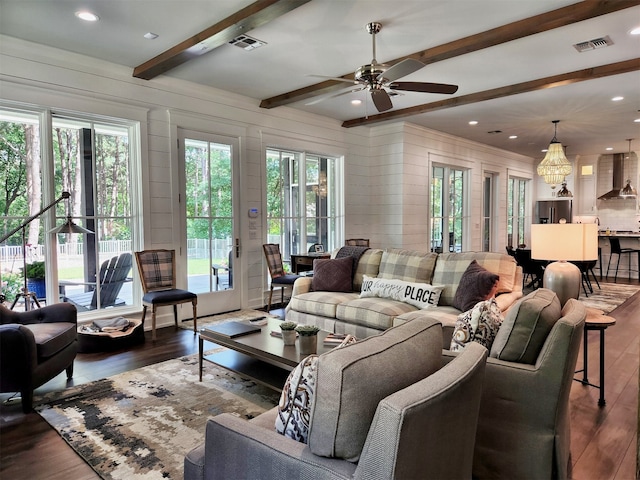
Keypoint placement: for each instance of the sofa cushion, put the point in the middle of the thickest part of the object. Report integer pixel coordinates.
(420, 295)
(332, 275)
(369, 264)
(480, 324)
(475, 286)
(451, 266)
(352, 381)
(526, 326)
(323, 304)
(377, 313)
(407, 265)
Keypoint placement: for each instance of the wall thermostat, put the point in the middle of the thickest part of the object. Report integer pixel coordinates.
(253, 213)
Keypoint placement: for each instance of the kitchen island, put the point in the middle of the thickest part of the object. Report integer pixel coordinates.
(628, 239)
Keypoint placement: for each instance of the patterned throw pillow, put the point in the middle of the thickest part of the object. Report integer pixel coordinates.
(480, 324)
(294, 408)
(475, 286)
(420, 295)
(332, 275)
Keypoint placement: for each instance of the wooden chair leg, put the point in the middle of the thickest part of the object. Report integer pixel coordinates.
(195, 317)
(153, 323)
(144, 314)
(175, 314)
(270, 296)
(69, 370)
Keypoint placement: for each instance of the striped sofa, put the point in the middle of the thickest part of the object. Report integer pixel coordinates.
(346, 312)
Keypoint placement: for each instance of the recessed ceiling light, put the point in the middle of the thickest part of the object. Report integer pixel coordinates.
(87, 16)
(473, 122)
(617, 99)
(513, 136)
(637, 120)
(544, 150)
(150, 36)
(609, 149)
(635, 31)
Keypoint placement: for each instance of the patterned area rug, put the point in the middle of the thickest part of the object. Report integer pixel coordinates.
(609, 296)
(140, 424)
(606, 298)
(244, 314)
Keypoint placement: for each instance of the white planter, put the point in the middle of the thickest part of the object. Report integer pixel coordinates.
(289, 337)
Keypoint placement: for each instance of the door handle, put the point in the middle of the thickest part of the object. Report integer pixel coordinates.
(237, 246)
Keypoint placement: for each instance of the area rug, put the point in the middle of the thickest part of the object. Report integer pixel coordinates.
(140, 424)
(244, 314)
(608, 296)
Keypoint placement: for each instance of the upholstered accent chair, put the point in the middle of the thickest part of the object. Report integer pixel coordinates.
(276, 270)
(36, 346)
(363, 428)
(357, 242)
(157, 270)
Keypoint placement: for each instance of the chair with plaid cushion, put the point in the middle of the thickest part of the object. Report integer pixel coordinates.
(158, 275)
(357, 242)
(278, 276)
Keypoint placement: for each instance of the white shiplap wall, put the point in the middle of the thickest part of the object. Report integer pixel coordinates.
(386, 167)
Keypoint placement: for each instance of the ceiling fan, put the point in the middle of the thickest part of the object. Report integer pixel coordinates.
(380, 80)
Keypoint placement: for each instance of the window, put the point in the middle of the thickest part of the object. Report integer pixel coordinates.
(447, 209)
(92, 161)
(487, 212)
(303, 205)
(516, 211)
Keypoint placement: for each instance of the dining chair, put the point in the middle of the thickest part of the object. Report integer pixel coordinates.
(279, 278)
(157, 270)
(357, 242)
(617, 250)
(531, 269)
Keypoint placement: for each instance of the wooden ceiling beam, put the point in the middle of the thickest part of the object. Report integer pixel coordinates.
(560, 17)
(250, 17)
(618, 68)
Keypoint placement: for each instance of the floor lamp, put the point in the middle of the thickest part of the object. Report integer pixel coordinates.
(563, 243)
(67, 227)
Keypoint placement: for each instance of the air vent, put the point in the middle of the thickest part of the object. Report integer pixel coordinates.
(593, 44)
(246, 42)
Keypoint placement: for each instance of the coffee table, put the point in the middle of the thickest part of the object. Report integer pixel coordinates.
(258, 356)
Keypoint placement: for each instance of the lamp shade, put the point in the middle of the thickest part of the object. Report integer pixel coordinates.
(569, 241)
(69, 227)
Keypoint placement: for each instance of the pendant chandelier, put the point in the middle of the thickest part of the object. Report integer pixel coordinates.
(628, 191)
(554, 167)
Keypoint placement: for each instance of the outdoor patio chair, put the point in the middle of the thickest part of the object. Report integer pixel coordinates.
(157, 270)
(113, 274)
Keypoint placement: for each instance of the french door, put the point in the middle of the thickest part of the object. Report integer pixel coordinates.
(210, 200)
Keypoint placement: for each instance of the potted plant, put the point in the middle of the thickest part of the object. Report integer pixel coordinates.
(288, 332)
(35, 273)
(308, 338)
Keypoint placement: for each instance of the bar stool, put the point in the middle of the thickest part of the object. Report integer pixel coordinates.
(615, 249)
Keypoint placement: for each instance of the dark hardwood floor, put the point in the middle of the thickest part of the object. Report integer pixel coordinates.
(603, 439)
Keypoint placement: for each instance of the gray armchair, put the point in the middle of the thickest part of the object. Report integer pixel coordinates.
(35, 346)
(524, 429)
(415, 433)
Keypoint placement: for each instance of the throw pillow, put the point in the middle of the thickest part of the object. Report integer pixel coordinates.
(294, 407)
(421, 295)
(480, 324)
(332, 275)
(526, 327)
(475, 286)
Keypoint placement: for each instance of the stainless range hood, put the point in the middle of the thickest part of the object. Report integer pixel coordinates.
(618, 179)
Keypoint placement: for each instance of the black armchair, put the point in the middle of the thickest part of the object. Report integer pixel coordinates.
(36, 346)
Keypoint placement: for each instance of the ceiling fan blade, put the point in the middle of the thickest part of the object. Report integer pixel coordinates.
(327, 97)
(337, 79)
(381, 100)
(402, 69)
(424, 87)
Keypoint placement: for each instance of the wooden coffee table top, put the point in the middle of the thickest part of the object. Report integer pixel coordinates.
(263, 346)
